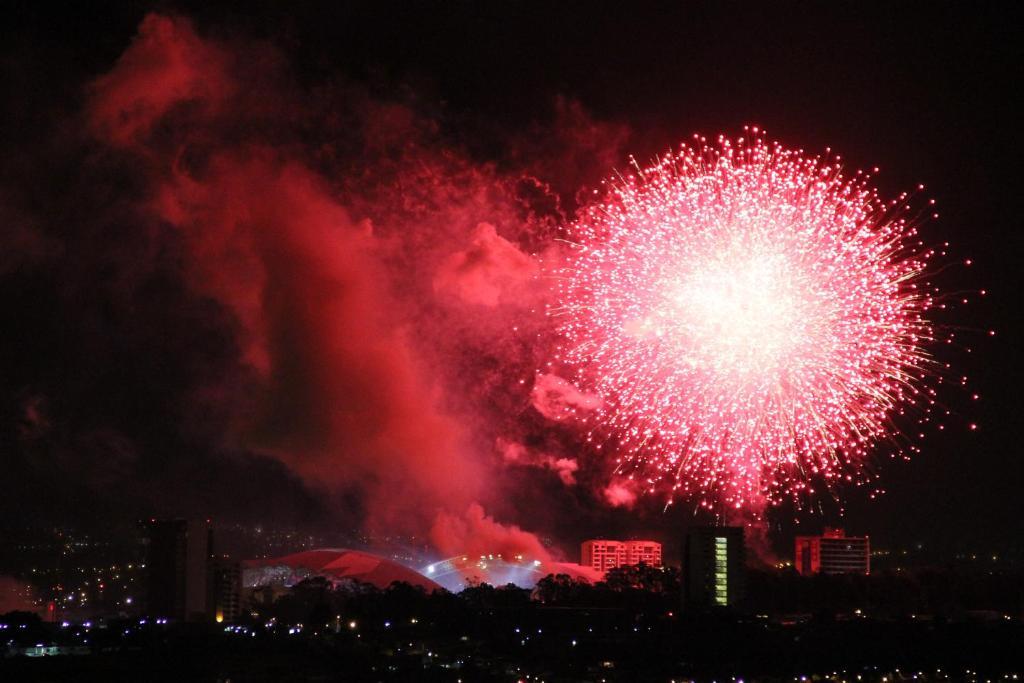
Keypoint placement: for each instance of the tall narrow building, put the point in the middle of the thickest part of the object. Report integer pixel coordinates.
(178, 556)
(714, 568)
(225, 590)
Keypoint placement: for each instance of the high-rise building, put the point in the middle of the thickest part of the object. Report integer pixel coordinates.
(177, 568)
(832, 553)
(603, 554)
(226, 590)
(714, 566)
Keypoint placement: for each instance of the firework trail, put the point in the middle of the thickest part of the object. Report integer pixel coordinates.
(751, 318)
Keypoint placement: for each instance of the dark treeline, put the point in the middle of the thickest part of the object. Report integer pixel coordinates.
(928, 591)
(633, 626)
(649, 592)
(638, 590)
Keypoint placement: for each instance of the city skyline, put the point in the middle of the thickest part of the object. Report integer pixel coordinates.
(245, 283)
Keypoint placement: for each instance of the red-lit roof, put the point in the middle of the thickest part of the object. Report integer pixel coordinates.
(339, 564)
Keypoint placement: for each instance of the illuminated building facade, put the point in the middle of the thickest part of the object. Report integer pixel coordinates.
(832, 553)
(603, 554)
(648, 552)
(714, 566)
(178, 568)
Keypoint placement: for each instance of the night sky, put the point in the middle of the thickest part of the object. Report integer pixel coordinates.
(184, 333)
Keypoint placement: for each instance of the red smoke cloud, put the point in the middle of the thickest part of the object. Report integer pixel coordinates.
(167, 65)
(559, 399)
(270, 242)
(515, 453)
(620, 493)
(15, 596)
(488, 272)
(339, 289)
(474, 533)
(344, 397)
(384, 296)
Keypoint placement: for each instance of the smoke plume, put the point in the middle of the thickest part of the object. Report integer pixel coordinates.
(15, 596)
(328, 291)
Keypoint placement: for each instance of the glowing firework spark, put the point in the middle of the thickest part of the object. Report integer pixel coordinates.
(751, 318)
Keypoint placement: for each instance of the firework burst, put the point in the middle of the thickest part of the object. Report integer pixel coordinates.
(752, 319)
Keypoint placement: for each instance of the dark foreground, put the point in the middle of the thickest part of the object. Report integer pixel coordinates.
(931, 626)
(537, 643)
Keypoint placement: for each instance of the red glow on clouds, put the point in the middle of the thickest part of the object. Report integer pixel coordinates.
(515, 453)
(344, 395)
(16, 596)
(167, 65)
(620, 493)
(474, 533)
(384, 289)
(492, 267)
(558, 399)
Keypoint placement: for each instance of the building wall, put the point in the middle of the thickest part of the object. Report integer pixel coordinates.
(648, 552)
(714, 566)
(807, 555)
(165, 575)
(832, 553)
(604, 554)
(198, 551)
(226, 590)
(845, 556)
(177, 568)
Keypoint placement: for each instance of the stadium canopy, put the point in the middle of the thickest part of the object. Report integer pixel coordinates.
(338, 565)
